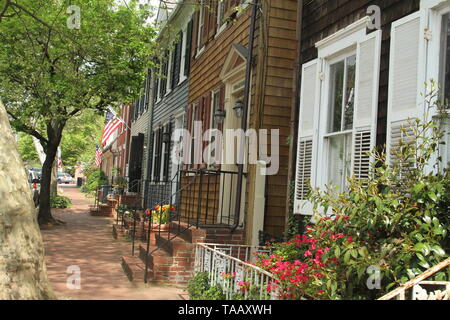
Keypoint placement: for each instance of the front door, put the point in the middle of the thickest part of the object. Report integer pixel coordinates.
(230, 152)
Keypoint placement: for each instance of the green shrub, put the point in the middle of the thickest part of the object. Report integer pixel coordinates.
(95, 180)
(60, 202)
(397, 221)
(200, 289)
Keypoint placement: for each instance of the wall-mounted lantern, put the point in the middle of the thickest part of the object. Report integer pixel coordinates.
(219, 116)
(238, 108)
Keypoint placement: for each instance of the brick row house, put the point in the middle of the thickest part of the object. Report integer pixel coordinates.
(314, 85)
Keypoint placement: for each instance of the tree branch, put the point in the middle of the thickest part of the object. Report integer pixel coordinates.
(27, 129)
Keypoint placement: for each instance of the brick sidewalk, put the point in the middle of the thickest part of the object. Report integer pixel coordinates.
(87, 242)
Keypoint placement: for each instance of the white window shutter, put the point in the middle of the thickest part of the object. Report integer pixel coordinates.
(306, 138)
(366, 102)
(403, 77)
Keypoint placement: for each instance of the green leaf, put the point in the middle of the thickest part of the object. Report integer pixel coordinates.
(438, 250)
(347, 256)
(424, 264)
(433, 196)
(337, 252)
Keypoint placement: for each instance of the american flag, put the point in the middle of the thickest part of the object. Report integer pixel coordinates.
(112, 123)
(98, 156)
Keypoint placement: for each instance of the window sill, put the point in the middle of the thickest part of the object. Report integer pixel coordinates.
(220, 30)
(200, 52)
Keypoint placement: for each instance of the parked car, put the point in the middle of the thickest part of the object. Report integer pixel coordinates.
(65, 178)
(34, 180)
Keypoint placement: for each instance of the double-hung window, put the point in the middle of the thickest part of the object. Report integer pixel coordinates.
(338, 112)
(340, 120)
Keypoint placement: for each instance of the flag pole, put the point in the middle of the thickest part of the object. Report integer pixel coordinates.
(120, 119)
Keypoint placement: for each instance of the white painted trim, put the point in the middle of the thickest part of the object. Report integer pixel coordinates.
(405, 114)
(183, 55)
(344, 35)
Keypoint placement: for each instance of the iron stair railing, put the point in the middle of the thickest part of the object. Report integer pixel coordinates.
(197, 180)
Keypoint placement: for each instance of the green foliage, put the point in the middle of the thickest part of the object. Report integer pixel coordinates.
(398, 217)
(295, 221)
(51, 73)
(200, 289)
(120, 181)
(397, 221)
(95, 180)
(60, 202)
(28, 151)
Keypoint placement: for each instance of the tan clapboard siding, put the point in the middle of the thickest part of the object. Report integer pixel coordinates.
(271, 89)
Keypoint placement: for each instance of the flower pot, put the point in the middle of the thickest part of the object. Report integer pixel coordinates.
(164, 227)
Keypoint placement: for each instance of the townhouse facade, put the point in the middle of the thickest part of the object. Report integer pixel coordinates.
(329, 80)
(217, 94)
(361, 82)
(170, 84)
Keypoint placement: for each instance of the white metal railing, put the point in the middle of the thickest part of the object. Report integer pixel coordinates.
(418, 283)
(228, 265)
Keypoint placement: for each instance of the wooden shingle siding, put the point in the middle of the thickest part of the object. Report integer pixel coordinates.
(321, 18)
(280, 30)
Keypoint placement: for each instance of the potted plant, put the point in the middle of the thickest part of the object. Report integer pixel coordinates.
(120, 183)
(159, 217)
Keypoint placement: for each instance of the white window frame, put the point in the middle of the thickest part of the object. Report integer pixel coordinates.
(201, 29)
(431, 15)
(153, 155)
(169, 72)
(163, 159)
(336, 47)
(221, 26)
(183, 54)
(158, 92)
(192, 155)
(325, 117)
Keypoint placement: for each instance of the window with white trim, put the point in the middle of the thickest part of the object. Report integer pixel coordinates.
(340, 122)
(221, 21)
(183, 55)
(338, 112)
(201, 27)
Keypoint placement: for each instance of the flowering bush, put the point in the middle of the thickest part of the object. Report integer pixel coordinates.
(396, 221)
(159, 214)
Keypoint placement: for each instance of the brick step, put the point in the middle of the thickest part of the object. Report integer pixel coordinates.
(104, 210)
(134, 269)
(167, 268)
(175, 244)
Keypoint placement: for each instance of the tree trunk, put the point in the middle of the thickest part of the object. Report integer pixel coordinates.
(54, 134)
(23, 273)
(45, 214)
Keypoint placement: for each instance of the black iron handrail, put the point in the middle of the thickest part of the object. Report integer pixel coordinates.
(204, 177)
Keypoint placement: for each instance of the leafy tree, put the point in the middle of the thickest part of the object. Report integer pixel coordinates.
(51, 71)
(27, 150)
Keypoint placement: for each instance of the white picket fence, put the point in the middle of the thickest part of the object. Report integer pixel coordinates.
(228, 265)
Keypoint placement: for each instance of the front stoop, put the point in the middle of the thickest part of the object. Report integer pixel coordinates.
(173, 262)
(104, 210)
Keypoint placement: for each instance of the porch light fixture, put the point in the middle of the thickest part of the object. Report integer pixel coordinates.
(219, 116)
(166, 137)
(238, 108)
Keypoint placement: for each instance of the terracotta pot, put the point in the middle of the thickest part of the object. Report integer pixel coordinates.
(164, 227)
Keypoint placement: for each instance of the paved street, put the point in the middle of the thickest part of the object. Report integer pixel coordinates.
(87, 242)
